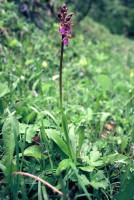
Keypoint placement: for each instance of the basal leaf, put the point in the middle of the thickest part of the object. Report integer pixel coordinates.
(95, 155)
(128, 192)
(73, 139)
(64, 164)
(95, 158)
(97, 163)
(33, 151)
(98, 180)
(84, 180)
(81, 138)
(88, 168)
(22, 128)
(56, 138)
(102, 184)
(97, 176)
(114, 158)
(9, 130)
(67, 137)
(31, 117)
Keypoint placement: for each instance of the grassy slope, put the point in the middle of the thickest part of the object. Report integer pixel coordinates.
(97, 77)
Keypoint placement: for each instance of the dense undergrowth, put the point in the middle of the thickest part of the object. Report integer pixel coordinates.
(88, 154)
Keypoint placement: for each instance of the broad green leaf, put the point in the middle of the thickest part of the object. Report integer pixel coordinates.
(22, 128)
(33, 151)
(31, 117)
(128, 192)
(9, 131)
(88, 168)
(114, 158)
(94, 155)
(95, 158)
(98, 180)
(3, 90)
(56, 138)
(97, 176)
(9, 169)
(45, 113)
(119, 130)
(31, 132)
(124, 142)
(64, 164)
(102, 184)
(97, 163)
(84, 180)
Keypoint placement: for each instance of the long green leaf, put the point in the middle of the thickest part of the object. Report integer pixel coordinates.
(115, 157)
(80, 181)
(44, 193)
(33, 151)
(81, 138)
(9, 130)
(128, 192)
(56, 138)
(66, 132)
(64, 164)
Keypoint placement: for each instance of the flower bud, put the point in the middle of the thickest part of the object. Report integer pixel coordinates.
(69, 17)
(59, 15)
(64, 8)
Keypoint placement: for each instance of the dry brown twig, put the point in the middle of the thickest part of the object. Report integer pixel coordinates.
(38, 179)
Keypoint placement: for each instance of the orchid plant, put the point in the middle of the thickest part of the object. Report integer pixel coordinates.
(65, 27)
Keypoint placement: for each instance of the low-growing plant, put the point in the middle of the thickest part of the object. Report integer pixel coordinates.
(82, 149)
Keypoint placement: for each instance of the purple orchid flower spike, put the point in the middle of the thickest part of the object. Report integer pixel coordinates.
(65, 24)
(65, 27)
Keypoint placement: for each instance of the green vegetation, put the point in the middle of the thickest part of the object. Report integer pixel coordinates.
(117, 15)
(87, 151)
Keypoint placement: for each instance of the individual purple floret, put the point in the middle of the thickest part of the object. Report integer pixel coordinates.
(65, 24)
(65, 41)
